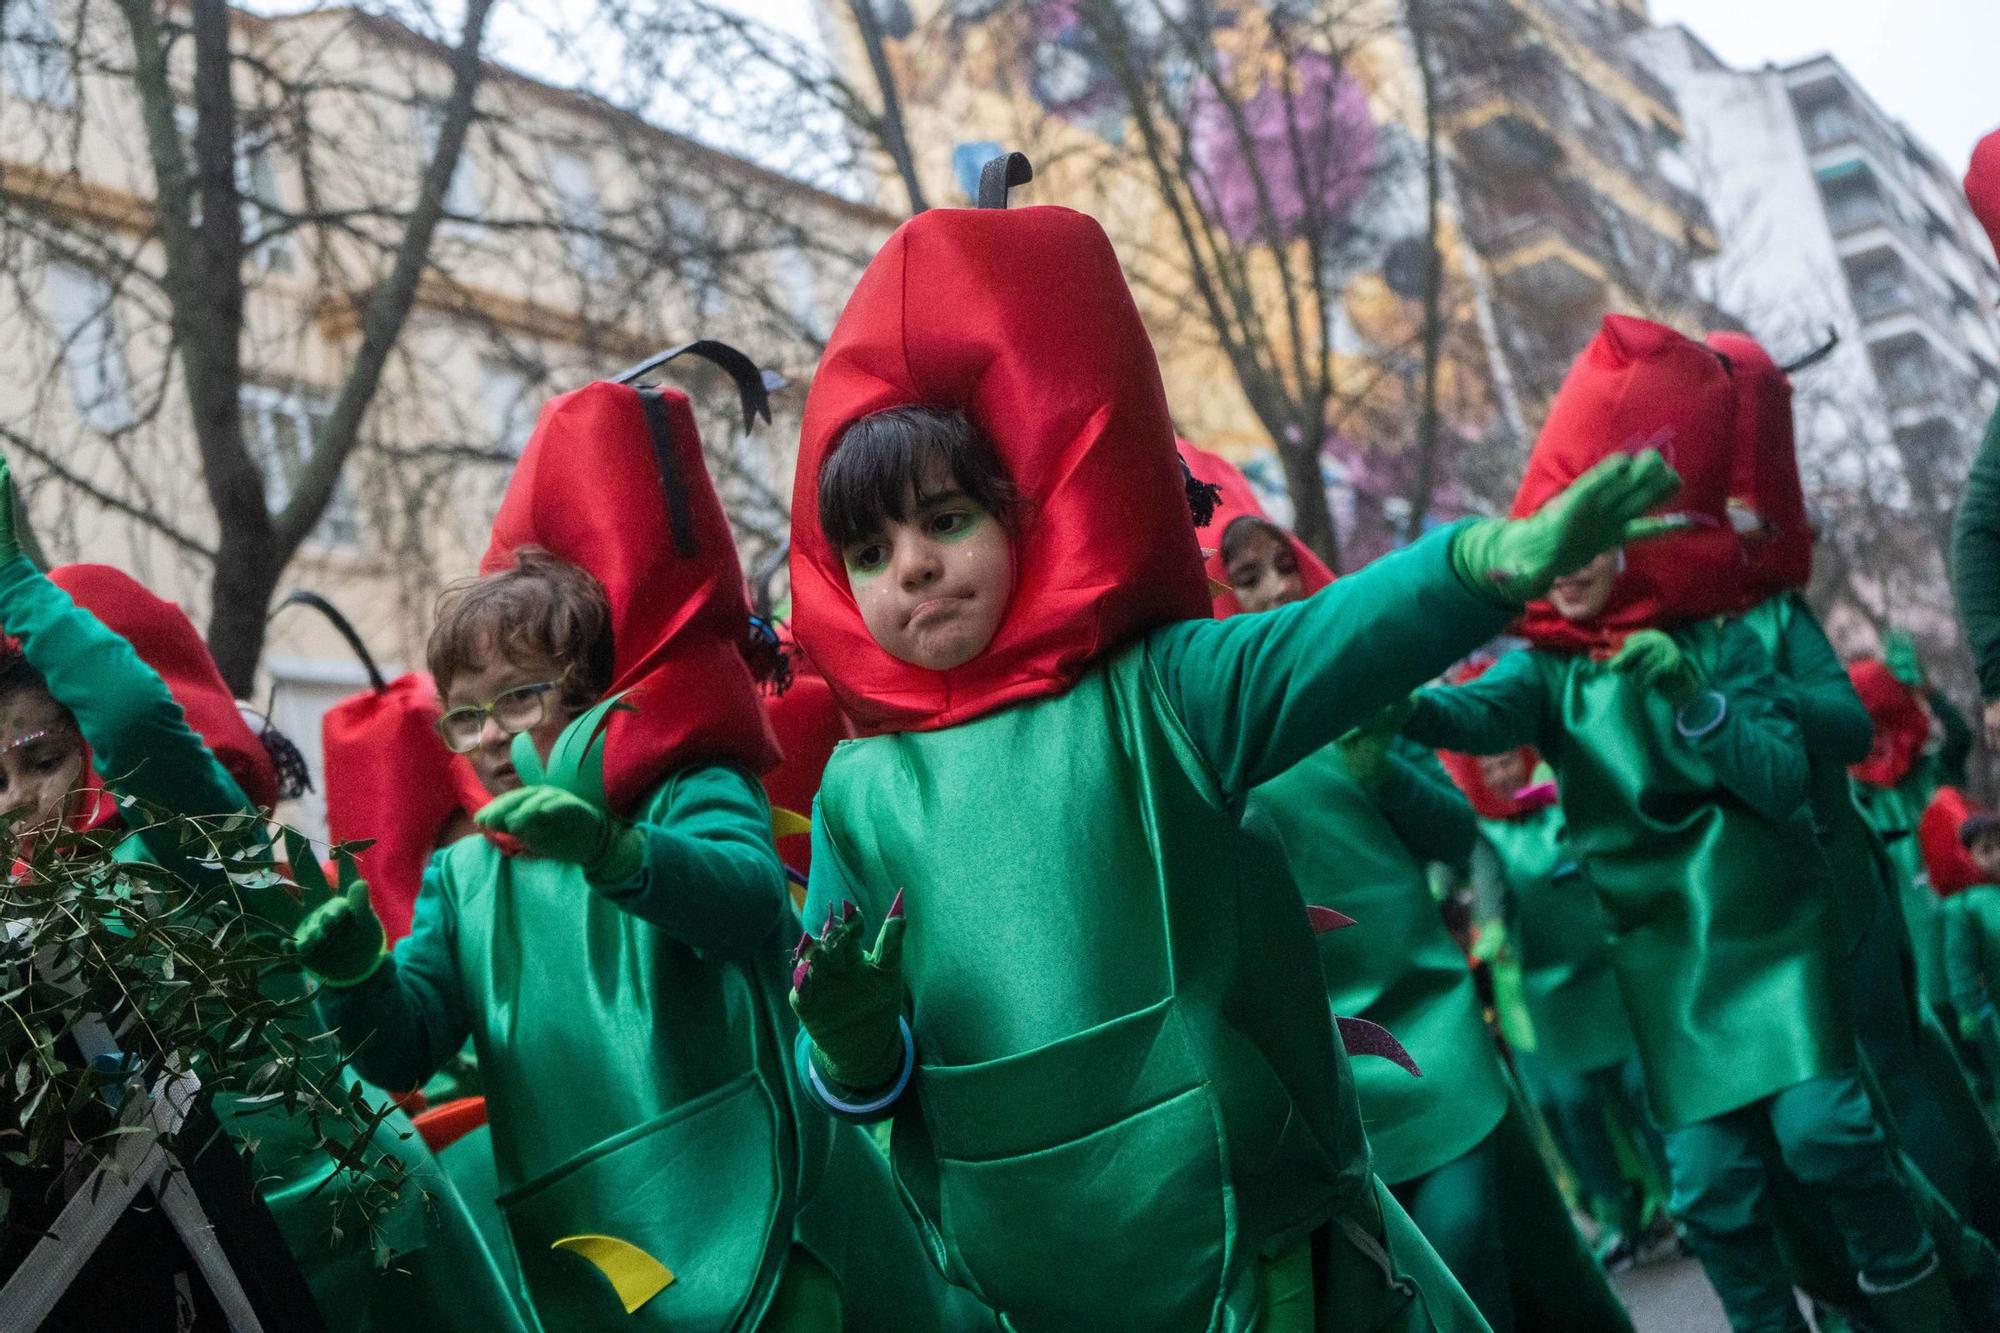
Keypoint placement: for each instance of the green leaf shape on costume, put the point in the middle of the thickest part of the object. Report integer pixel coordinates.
(576, 760)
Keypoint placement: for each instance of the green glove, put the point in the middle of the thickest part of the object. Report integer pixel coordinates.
(851, 1002)
(555, 824)
(1653, 659)
(341, 941)
(1899, 654)
(1969, 1025)
(1365, 749)
(1600, 511)
(10, 541)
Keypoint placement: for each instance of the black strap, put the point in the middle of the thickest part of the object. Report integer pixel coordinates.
(1002, 174)
(1815, 356)
(755, 385)
(305, 597)
(680, 509)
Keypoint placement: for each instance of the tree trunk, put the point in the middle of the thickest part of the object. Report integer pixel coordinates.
(1423, 479)
(895, 141)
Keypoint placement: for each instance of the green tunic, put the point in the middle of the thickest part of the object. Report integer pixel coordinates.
(1128, 1089)
(1975, 560)
(1365, 854)
(633, 1040)
(1703, 854)
(1972, 947)
(140, 739)
(1561, 937)
(1893, 813)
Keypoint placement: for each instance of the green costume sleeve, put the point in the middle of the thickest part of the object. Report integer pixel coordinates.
(1962, 963)
(140, 742)
(1505, 708)
(831, 886)
(1957, 747)
(1975, 560)
(1754, 741)
(1258, 693)
(1830, 713)
(408, 1018)
(711, 877)
(1426, 810)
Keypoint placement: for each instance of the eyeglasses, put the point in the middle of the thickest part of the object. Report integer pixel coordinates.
(516, 711)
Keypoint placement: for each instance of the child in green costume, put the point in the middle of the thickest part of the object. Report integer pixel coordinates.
(81, 697)
(1093, 1005)
(1577, 1056)
(1359, 822)
(1972, 939)
(619, 966)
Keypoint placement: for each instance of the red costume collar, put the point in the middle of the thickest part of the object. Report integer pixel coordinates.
(1902, 723)
(1640, 385)
(1952, 869)
(592, 489)
(1764, 476)
(1237, 501)
(1021, 319)
(388, 777)
(167, 641)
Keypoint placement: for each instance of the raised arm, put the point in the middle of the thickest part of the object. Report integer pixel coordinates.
(1258, 693)
(1504, 709)
(401, 1015)
(1831, 715)
(1426, 809)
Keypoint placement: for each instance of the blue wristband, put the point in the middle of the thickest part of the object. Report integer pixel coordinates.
(1694, 731)
(873, 1104)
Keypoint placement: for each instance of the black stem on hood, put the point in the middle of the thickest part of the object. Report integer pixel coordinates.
(1002, 174)
(305, 597)
(754, 384)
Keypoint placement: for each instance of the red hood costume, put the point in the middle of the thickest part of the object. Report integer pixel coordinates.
(167, 641)
(1471, 780)
(1238, 500)
(613, 481)
(1952, 869)
(955, 312)
(1902, 724)
(1640, 385)
(389, 777)
(808, 724)
(1764, 477)
(1982, 186)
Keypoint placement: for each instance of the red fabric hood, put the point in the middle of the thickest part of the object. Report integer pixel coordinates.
(808, 723)
(1982, 186)
(1765, 472)
(1465, 771)
(167, 641)
(1238, 499)
(388, 777)
(1021, 318)
(1902, 724)
(1951, 867)
(590, 489)
(1640, 385)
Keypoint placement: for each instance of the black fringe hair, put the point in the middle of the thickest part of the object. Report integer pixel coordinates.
(882, 460)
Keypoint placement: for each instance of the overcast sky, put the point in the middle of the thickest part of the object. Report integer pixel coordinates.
(1933, 64)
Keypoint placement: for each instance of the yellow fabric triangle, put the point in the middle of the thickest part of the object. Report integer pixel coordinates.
(1216, 587)
(785, 822)
(636, 1276)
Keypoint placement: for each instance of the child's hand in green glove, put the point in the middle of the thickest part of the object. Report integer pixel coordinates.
(553, 823)
(1652, 658)
(1365, 749)
(1899, 654)
(1599, 511)
(851, 1002)
(341, 941)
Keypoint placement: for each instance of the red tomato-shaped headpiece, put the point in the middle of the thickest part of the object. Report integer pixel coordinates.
(1238, 500)
(1764, 477)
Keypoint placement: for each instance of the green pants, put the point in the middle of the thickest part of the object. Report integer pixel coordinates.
(1580, 1109)
(1495, 1217)
(1826, 1133)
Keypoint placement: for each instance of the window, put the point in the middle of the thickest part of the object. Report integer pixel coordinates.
(696, 248)
(78, 305)
(280, 428)
(256, 189)
(508, 391)
(37, 63)
(969, 159)
(581, 213)
(465, 196)
(1577, 100)
(1829, 123)
(798, 290)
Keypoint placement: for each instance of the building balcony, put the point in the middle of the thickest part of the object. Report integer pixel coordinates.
(1539, 261)
(1505, 138)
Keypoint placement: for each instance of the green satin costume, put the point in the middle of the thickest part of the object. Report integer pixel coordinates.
(1894, 813)
(1972, 958)
(1128, 1094)
(633, 1040)
(1703, 855)
(1563, 942)
(140, 740)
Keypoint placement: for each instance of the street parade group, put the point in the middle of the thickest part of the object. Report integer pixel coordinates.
(1083, 911)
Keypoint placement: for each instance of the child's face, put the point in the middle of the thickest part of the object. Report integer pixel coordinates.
(41, 759)
(1583, 595)
(1504, 774)
(933, 585)
(1264, 573)
(490, 675)
(1986, 854)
